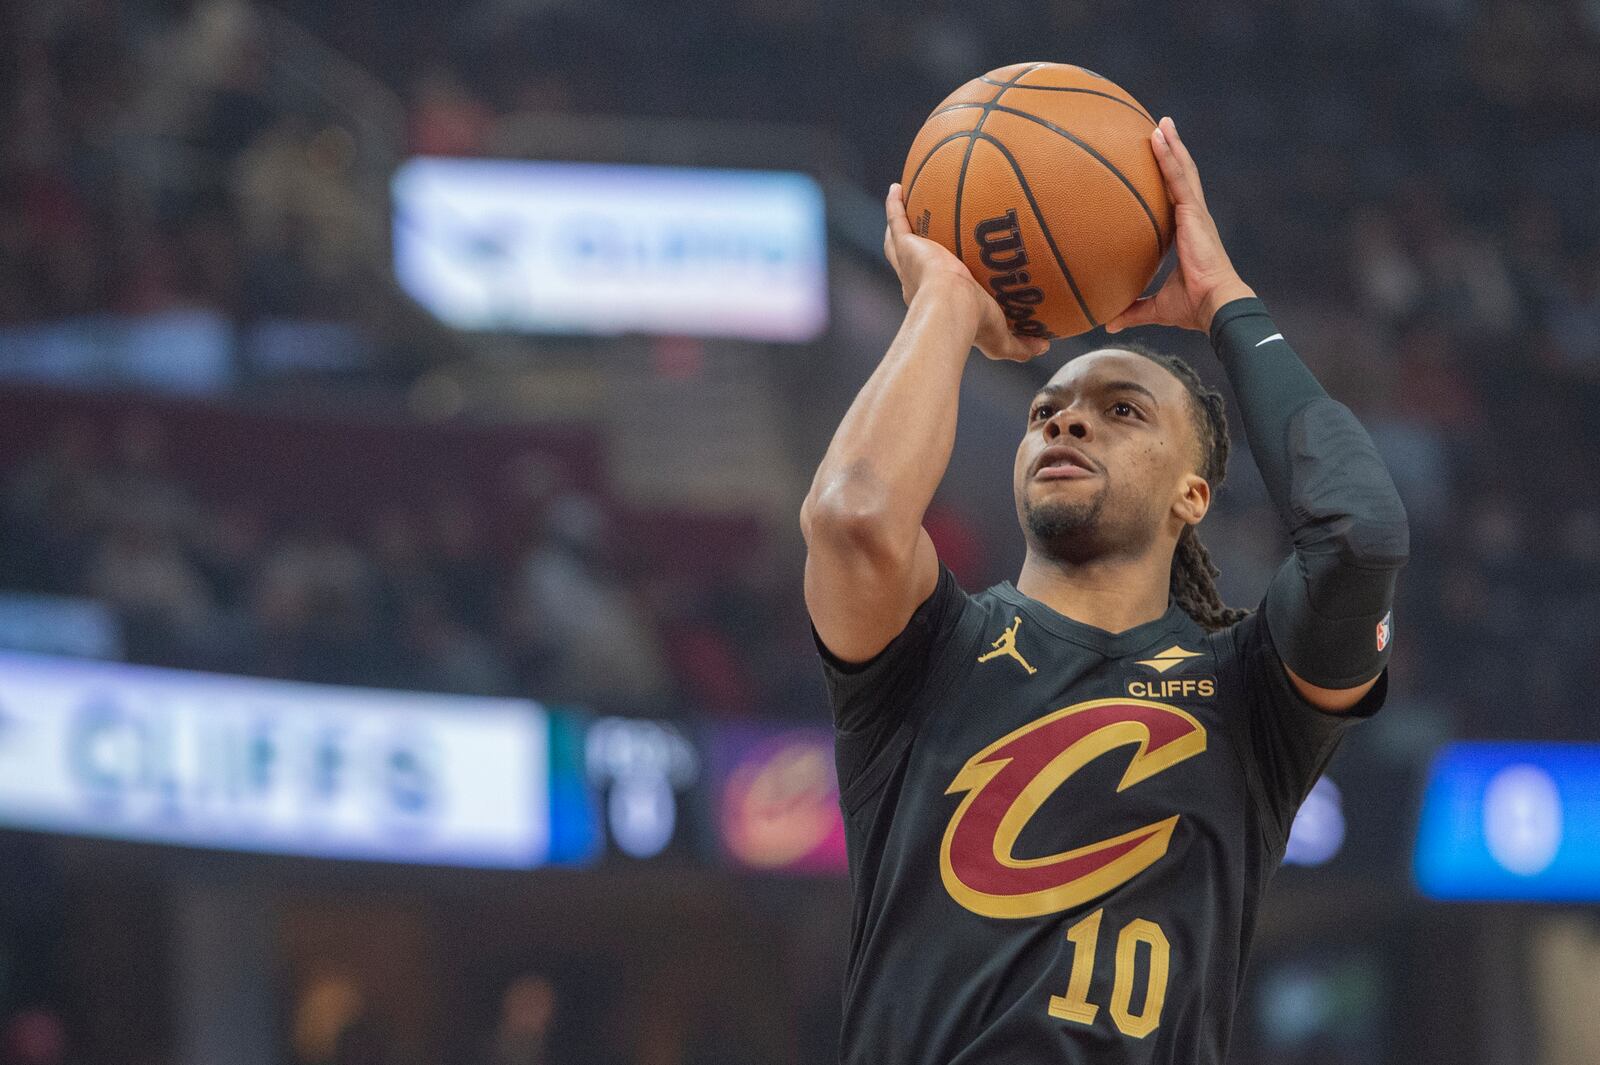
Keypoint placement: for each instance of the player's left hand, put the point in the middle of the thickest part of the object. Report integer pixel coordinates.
(1204, 279)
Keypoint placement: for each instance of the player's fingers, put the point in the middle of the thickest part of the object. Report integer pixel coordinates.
(895, 208)
(996, 340)
(1029, 347)
(888, 247)
(1141, 312)
(1171, 171)
(1189, 172)
(1013, 348)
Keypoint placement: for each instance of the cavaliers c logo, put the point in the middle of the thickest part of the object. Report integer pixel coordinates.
(1008, 781)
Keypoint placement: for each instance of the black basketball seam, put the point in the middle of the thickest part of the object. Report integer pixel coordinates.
(953, 107)
(961, 178)
(1141, 112)
(1038, 216)
(930, 154)
(1102, 160)
(1068, 66)
(992, 106)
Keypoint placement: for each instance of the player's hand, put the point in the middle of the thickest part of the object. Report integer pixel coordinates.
(1204, 279)
(922, 264)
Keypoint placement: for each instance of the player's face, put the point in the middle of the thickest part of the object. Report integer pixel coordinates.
(1110, 450)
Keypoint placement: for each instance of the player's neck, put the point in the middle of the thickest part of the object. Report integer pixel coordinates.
(1114, 593)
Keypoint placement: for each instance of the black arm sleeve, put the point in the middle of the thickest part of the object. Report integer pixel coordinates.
(1328, 608)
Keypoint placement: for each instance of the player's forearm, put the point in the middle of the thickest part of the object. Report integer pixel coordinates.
(1333, 493)
(1272, 385)
(893, 445)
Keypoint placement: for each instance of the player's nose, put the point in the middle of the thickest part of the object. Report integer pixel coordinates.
(1068, 422)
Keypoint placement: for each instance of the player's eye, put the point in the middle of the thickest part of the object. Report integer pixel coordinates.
(1041, 411)
(1124, 409)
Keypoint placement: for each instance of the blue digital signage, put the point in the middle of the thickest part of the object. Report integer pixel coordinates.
(1512, 821)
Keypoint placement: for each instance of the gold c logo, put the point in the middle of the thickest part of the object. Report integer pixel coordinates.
(1008, 781)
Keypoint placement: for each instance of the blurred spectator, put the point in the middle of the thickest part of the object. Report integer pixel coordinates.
(141, 486)
(230, 544)
(448, 655)
(446, 118)
(316, 601)
(526, 1011)
(34, 1037)
(140, 570)
(333, 1025)
(1388, 279)
(1574, 317)
(712, 668)
(402, 569)
(53, 502)
(1533, 249)
(1436, 392)
(460, 557)
(588, 626)
(302, 216)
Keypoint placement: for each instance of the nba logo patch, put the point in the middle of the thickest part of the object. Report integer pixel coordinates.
(1385, 630)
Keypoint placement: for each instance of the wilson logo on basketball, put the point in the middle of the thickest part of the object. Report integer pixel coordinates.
(999, 242)
(1008, 781)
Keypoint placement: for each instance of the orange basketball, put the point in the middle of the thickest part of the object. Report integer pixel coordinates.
(1040, 177)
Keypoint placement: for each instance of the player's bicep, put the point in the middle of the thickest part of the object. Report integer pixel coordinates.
(1328, 700)
(1326, 665)
(861, 599)
(1330, 621)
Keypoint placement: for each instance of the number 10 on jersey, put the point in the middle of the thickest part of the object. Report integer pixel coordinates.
(1085, 938)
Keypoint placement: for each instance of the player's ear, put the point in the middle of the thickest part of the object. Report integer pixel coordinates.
(1194, 499)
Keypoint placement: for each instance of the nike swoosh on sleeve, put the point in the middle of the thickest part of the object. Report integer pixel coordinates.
(1270, 339)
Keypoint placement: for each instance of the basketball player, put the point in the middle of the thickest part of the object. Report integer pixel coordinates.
(1064, 797)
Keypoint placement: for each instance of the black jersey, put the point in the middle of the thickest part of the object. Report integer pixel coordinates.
(1059, 836)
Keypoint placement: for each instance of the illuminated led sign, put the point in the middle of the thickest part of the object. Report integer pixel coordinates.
(640, 771)
(546, 247)
(1512, 821)
(166, 756)
(775, 799)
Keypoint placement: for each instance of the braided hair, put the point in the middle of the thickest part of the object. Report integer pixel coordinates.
(1193, 573)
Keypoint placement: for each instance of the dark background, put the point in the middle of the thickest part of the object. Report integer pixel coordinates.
(306, 477)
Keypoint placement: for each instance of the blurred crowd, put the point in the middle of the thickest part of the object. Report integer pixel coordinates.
(135, 142)
(560, 602)
(1429, 228)
(166, 161)
(564, 597)
(332, 1024)
(166, 153)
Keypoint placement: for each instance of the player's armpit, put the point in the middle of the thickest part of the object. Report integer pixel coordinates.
(861, 598)
(1332, 700)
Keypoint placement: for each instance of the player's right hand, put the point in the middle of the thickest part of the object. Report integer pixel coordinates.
(924, 264)
(1205, 278)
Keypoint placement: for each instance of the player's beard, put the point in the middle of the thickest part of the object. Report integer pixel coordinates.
(1063, 530)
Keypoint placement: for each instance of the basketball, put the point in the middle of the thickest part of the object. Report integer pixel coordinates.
(1041, 179)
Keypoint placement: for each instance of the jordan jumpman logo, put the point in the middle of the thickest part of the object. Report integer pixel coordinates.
(1006, 646)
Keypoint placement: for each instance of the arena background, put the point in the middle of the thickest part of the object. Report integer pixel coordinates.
(280, 406)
